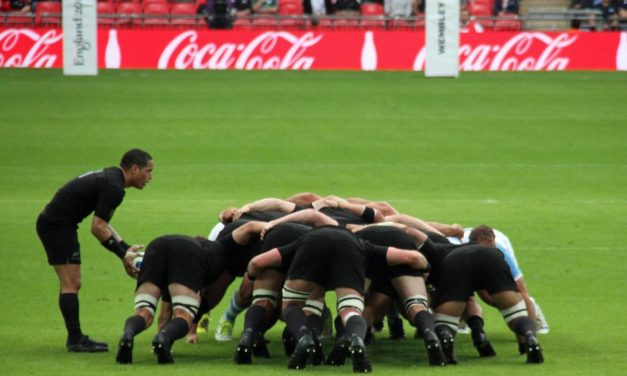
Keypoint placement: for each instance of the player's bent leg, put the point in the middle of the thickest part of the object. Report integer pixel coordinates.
(350, 305)
(515, 315)
(447, 316)
(185, 305)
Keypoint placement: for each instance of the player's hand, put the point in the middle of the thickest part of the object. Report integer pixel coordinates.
(265, 229)
(129, 264)
(240, 212)
(458, 231)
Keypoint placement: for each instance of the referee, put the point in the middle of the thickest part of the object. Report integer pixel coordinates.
(100, 192)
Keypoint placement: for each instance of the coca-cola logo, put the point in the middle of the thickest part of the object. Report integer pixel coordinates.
(524, 51)
(269, 50)
(35, 55)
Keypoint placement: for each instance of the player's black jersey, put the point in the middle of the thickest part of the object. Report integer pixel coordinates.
(238, 255)
(100, 192)
(388, 236)
(373, 255)
(344, 216)
(435, 254)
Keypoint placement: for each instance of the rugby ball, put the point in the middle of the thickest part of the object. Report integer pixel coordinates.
(138, 260)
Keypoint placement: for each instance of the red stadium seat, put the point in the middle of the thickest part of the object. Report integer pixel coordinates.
(183, 14)
(144, 2)
(508, 23)
(372, 9)
(48, 13)
(129, 13)
(160, 11)
(106, 13)
(265, 22)
(337, 23)
(478, 9)
(290, 9)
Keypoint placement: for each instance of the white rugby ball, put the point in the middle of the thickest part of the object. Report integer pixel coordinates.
(138, 260)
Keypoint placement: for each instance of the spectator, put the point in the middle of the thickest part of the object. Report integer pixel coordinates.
(502, 7)
(344, 7)
(316, 7)
(609, 16)
(467, 23)
(400, 8)
(265, 6)
(218, 13)
(243, 7)
(12, 6)
(622, 14)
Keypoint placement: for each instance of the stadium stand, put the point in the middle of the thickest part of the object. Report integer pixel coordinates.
(48, 13)
(534, 15)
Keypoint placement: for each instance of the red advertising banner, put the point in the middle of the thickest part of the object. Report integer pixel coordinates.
(340, 50)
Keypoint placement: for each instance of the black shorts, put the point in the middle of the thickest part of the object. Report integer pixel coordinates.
(330, 259)
(172, 259)
(60, 241)
(281, 235)
(468, 269)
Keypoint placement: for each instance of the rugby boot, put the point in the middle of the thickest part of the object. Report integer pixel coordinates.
(338, 355)
(162, 347)
(448, 347)
(125, 349)
(483, 346)
(289, 342)
(317, 358)
(302, 352)
(244, 351)
(534, 351)
(434, 348)
(86, 344)
(260, 347)
(361, 364)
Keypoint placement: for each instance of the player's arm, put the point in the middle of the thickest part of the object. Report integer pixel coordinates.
(259, 263)
(411, 258)
(243, 234)
(264, 205)
(413, 222)
(109, 239)
(308, 216)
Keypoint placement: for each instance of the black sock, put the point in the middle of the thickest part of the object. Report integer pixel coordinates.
(475, 323)
(255, 319)
(315, 322)
(68, 303)
(296, 321)
(175, 329)
(523, 324)
(339, 326)
(356, 325)
(134, 325)
(424, 320)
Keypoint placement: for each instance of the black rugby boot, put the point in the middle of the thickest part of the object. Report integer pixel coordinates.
(434, 348)
(361, 363)
(338, 354)
(86, 344)
(302, 352)
(483, 346)
(244, 351)
(125, 349)
(534, 351)
(161, 346)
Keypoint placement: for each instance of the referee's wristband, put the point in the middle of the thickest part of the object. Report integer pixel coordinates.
(118, 248)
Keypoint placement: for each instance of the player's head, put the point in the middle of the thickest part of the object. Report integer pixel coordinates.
(482, 234)
(137, 165)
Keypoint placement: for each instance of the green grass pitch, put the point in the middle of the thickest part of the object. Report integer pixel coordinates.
(541, 156)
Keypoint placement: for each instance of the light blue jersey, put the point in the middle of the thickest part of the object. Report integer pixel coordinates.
(502, 244)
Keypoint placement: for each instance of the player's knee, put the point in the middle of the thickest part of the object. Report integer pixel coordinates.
(185, 306)
(145, 305)
(265, 298)
(315, 307)
(444, 322)
(517, 310)
(291, 296)
(350, 305)
(415, 304)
